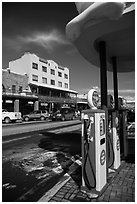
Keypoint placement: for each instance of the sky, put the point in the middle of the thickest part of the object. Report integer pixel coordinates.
(39, 27)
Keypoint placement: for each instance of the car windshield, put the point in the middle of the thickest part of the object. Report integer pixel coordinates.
(32, 112)
(45, 111)
(4, 110)
(131, 127)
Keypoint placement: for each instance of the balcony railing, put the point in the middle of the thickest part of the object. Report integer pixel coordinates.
(60, 99)
(57, 99)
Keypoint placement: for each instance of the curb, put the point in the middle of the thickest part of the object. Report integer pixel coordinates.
(48, 195)
(51, 193)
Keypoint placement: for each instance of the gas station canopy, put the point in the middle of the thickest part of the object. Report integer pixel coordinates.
(119, 36)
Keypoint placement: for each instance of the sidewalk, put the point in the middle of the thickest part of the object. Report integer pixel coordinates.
(120, 188)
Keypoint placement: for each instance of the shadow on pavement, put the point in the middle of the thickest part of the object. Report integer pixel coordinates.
(130, 158)
(64, 142)
(68, 148)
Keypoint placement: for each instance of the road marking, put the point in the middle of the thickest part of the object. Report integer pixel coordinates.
(21, 138)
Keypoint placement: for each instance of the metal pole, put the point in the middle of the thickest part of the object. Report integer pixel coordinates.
(103, 83)
(103, 73)
(115, 81)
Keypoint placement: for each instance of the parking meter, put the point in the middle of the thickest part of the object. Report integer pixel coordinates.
(93, 145)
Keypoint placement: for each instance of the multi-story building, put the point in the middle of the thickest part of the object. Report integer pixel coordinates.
(41, 72)
(47, 80)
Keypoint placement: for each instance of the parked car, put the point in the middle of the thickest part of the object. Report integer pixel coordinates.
(63, 114)
(8, 117)
(131, 116)
(38, 114)
(131, 130)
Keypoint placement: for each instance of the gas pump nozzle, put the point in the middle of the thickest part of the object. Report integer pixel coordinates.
(87, 131)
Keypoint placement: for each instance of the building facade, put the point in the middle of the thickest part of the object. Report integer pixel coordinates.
(44, 79)
(16, 93)
(41, 72)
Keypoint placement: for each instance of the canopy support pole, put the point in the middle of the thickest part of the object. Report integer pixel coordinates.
(115, 81)
(103, 84)
(103, 73)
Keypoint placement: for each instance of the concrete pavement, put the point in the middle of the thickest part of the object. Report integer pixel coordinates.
(120, 187)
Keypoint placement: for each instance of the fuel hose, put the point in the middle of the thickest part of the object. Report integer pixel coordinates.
(87, 158)
(110, 149)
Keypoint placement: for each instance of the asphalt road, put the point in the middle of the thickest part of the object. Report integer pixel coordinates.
(24, 127)
(35, 159)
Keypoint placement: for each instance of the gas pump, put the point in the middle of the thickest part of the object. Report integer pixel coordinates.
(113, 135)
(123, 127)
(93, 145)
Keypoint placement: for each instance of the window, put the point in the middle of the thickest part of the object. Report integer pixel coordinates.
(38, 112)
(62, 68)
(59, 83)
(59, 74)
(34, 65)
(66, 85)
(3, 88)
(34, 78)
(44, 80)
(66, 76)
(52, 71)
(20, 89)
(52, 82)
(44, 69)
(13, 88)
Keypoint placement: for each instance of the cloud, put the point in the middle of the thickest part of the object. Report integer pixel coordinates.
(129, 98)
(49, 40)
(128, 94)
(111, 91)
(125, 91)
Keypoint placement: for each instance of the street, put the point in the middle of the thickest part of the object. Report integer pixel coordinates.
(18, 128)
(34, 161)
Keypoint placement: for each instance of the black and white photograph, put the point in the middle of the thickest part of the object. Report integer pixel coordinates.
(68, 101)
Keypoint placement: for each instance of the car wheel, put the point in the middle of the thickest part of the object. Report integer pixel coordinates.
(63, 118)
(26, 119)
(42, 118)
(73, 117)
(7, 120)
